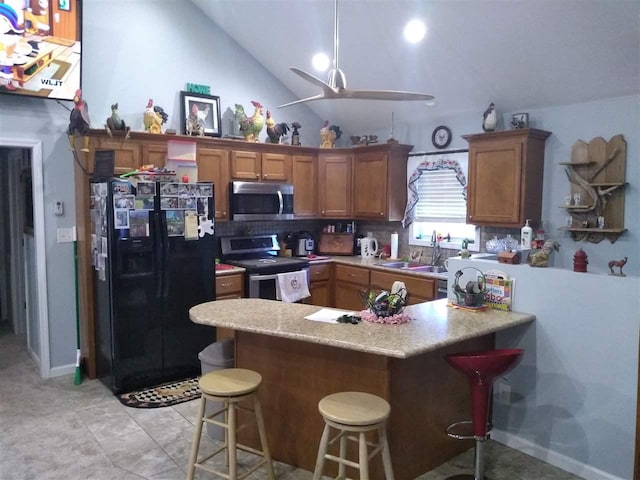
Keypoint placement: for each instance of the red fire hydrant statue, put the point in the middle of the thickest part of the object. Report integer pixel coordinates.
(580, 261)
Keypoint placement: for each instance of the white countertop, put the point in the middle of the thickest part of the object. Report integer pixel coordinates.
(434, 325)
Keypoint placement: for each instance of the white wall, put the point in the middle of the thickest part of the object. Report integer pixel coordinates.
(132, 51)
(568, 124)
(573, 396)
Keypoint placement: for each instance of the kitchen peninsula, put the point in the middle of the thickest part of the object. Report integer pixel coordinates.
(301, 361)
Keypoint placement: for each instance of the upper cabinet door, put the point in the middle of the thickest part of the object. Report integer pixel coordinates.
(370, 179)
(334, 184)
(276, 167)
(213, 166)
(505, 177)
(304, 178)
(245, 165)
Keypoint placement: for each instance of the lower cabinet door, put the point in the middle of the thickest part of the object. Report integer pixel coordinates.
(349, 296)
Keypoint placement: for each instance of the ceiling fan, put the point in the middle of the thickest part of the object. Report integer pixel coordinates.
(336, 85)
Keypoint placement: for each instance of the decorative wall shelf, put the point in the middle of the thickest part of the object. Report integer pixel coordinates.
(596, 174)
(594, 235)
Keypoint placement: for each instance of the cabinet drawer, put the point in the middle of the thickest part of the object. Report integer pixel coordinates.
(357, 275)
(229, 284)
(319, 272)
(424, 288)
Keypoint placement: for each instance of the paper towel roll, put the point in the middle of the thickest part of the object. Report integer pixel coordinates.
(394, 245)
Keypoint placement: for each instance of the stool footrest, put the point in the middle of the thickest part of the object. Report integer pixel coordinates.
(467, 426)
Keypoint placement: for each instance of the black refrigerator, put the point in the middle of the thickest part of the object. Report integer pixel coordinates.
(154, 258)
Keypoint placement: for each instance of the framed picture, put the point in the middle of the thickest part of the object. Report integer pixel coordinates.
(64, 5)
(200, 112)
(520, 120)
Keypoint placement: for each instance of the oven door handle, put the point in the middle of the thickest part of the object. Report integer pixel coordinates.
(281, 200)
(259, 278)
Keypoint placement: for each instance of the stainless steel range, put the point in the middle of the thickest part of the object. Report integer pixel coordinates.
(258, 255)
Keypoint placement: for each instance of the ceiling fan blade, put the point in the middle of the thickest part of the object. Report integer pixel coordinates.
(310, 78)
(383, 95)
(308, 99)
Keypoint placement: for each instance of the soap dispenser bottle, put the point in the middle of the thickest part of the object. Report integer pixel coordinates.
(526, 236)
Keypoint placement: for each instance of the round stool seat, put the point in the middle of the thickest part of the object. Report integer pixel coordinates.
(489, 364)
(354, 408)
(230, 382)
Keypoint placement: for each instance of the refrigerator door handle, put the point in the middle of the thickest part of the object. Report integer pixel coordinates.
(157, 240)
(164, 234)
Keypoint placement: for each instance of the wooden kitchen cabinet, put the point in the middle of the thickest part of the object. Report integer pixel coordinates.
(229, 286)
(334, 184)
(349, 284)
(320, 284)
(379, 182)
(127, 154)
(418, 289)
(258, 166)
(505, 177)
(213, 166)
(154, 154)
(304, 176)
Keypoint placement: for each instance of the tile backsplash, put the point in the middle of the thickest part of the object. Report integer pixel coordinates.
(380, 230)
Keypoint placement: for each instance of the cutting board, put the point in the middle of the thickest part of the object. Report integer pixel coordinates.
(336, 244)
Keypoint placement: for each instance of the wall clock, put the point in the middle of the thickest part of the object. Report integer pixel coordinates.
(441, 137)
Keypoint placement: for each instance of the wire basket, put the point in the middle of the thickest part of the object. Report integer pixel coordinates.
(472, 294)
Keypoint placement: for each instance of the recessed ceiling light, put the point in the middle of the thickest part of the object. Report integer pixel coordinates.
(415, 31)
(320, 62)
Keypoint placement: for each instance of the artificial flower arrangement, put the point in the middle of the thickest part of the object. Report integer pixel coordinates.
(386, 307)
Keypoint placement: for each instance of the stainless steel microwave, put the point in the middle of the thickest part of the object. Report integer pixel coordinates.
(261, 201)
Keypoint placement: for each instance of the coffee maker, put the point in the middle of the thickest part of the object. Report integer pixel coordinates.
(303, 244)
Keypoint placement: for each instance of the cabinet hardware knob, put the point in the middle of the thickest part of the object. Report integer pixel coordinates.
(257, 175)
(323, 212)
(264, 176)
(381, 213)
(226, 284)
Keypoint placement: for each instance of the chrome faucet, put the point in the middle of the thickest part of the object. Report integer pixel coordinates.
(435, 249)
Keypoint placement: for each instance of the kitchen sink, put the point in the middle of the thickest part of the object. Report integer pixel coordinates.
(414, 266)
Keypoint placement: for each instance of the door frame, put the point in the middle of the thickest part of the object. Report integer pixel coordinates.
(37, 172)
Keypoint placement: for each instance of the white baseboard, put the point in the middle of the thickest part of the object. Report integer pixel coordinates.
(554, 458)
(63, 370)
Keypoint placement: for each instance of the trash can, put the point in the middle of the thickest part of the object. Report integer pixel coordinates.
(216, 356)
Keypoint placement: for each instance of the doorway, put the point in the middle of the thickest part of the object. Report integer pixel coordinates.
(23, 282)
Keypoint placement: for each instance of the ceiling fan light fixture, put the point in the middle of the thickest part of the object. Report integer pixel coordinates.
(320, 62)
(415, 31)
(336, 85)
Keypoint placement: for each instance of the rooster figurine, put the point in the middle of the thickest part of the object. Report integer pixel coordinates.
(79, 121)
(115, 123)
(250, 127)
(154, 117)
(275, 130)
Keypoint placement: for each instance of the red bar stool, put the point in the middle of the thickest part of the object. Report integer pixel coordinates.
(482, 368)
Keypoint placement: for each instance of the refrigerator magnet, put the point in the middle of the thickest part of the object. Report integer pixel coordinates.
(190, 225)
(121, 219)
(146, 189)
(203, 207)
(175, 223)
(168, 203)
(139, 223)
(205, 227)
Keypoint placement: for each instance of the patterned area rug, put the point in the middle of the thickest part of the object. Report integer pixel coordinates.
(163, 395)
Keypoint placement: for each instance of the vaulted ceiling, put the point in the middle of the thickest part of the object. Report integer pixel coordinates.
(520, 54)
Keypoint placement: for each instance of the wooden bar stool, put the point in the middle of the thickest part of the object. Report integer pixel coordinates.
(230, 386)
(482, 368)
(358, 413)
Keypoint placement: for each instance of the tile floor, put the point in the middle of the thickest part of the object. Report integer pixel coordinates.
(54, 430)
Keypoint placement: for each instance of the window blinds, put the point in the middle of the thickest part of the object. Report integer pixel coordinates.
(440, 197)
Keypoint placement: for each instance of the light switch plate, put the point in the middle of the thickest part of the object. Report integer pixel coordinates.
(58, 208)
(65, 235)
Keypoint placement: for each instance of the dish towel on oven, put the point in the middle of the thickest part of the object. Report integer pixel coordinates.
(292, 286)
